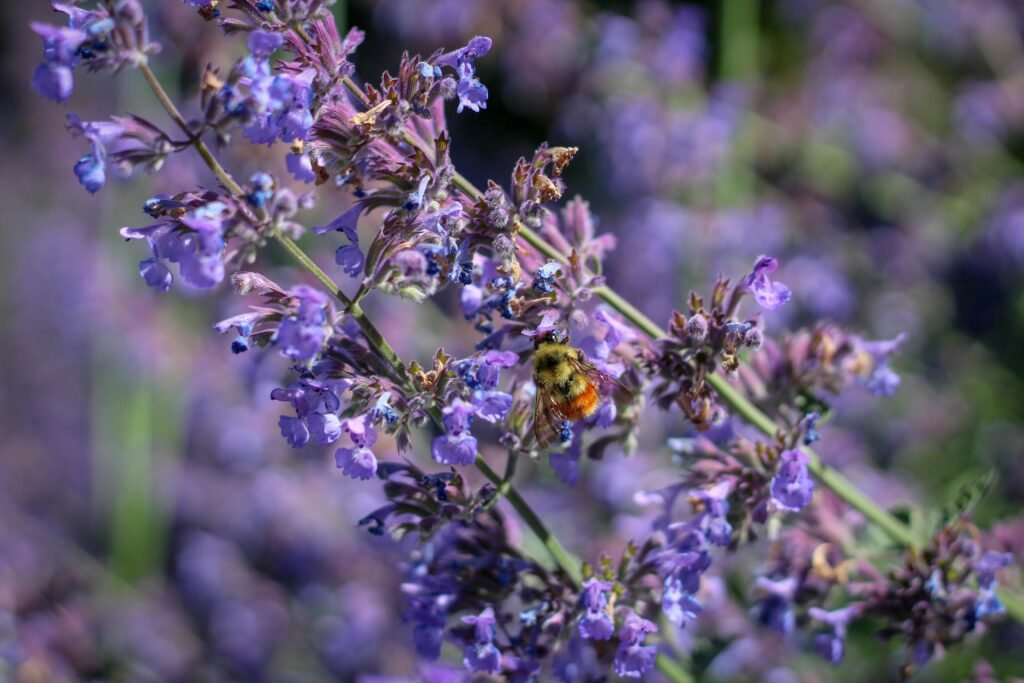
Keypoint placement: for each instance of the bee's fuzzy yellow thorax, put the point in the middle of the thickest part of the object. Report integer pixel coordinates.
(550, 363)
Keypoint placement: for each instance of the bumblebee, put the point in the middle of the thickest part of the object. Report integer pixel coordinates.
(569, 388)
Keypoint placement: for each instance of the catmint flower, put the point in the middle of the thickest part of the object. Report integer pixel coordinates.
(53, 79)
(313, 401)
(882, 381)
(471, 92)
(679, 606)
(300, 166)
(360, 430)
(808, 425)
(350, 257)
(832, 645)
(457, 446)
(195, 242)
(482, 654)
(792, 487)
(633, 659)
(712, 506)
(566, 464)
(595, 623)
(768, 294)
(262, 190)
(985, 569)
(156, 275)
(480, 373)
(358, 463)
(544, 278)
(324, 428)
(775, 608)
(302, 334)
(107, 38)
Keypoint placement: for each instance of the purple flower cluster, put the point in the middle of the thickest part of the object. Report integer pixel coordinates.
(108, 38)
(522, 271)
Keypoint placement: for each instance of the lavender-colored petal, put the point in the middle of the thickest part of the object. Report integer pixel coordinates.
(351, 259)
(53, 81)
(454, 449)
(294, 431)
(358, 463)
(300, 167)
(155, 274)
(324, 428)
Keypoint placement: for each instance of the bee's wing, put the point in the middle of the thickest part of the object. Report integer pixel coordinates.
(606, 385)
(545, 419)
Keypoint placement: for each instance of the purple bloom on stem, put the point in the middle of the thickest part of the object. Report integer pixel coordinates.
(360, 430)
(477, 47)
(294, 431)
(768, 294)
(595, 623)
(457, 446)
(986, 568)
(832, 645)
(713, 506)
(454, 449)
(775, 609)
(792, 487)
(53, 81)
(300, 167)
(301, 335)
(809, 425)
(633, 659)
(566, 464)
(358, 463)
(989, 564)
(883, 381)
(324, 428)
(482, 655)
(53, 78)
(155, 274)
(351, 259)
(491, 406)
(262, 43)
(471, 92)
(678, 605)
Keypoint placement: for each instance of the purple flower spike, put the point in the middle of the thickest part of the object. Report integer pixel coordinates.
(770, 295)
(792, 487)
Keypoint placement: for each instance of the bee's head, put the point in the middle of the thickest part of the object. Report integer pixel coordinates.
(554, 336)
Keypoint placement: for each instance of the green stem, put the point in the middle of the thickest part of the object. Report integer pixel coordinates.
(673, 670)
(204, 151)
(569, 563)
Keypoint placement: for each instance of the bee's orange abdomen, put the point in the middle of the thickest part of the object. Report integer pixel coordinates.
(581, 406)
